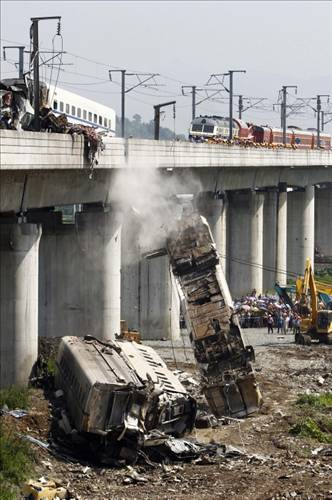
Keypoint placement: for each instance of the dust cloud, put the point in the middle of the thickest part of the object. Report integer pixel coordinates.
(147, 199)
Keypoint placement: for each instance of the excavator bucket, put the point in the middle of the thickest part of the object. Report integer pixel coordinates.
(228, 378)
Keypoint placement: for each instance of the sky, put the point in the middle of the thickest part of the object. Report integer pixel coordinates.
(277, 43)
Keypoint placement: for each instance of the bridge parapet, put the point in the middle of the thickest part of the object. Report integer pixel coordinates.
(49, 151)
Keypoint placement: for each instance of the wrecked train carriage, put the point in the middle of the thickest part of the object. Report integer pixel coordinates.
(228, 377)
(121, 389)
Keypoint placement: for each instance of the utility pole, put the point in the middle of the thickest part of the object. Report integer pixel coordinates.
(125, 91)
(230, 74)
(284, 110)
(240, 106)
(157, 117)
(35, 60)
(20, 57)
(319, 111)
(194, 90)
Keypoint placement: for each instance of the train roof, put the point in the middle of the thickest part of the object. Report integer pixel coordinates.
(78, 100)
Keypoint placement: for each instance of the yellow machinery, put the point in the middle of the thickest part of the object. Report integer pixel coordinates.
(315, 324)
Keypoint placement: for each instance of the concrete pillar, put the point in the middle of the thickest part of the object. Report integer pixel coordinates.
(160, 307)
(19, 244)
(281, 260)
(215, 210)
(269, 239)
(131, 273)
(239, 243)
(301, 230)
(308, 225)
(256, 204)
(323, 221)
(80, 277)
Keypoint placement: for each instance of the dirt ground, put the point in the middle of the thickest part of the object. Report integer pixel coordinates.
(275, 464)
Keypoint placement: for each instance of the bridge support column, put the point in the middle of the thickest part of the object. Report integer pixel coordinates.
(256, 241)
(131, 273)
(281, 260)
(301, 229)
(308, 226)
(80, 276)
(239, 243)
(215, 210)
(269, 239)
(159, 303)
(323, 221)
(101, 277)
(19, 245)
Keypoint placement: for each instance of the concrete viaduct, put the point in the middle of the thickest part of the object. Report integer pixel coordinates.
(267, 209)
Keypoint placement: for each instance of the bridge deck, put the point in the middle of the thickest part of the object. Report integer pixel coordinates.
(43, 151)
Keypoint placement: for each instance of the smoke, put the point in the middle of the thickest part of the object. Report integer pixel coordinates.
(148, 197)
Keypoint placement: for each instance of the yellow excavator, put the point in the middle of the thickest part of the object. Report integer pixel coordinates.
(316, 323)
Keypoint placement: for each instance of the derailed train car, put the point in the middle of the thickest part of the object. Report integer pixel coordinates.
(228, 378)
(121, 391)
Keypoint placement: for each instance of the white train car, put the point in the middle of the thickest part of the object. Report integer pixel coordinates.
(80, 110)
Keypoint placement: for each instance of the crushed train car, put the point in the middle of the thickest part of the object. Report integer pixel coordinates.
(120, 391)
(228, 378)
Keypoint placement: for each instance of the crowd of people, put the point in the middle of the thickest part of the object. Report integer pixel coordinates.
(267, 311)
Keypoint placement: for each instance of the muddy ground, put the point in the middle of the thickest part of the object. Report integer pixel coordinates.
(275, 464)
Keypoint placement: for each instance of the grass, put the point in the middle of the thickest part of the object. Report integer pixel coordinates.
(14, 397)
(16, 463)
(315, 400)
(313, 418)
(310, 428)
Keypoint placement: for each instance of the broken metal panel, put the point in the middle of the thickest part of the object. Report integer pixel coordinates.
(228, 378)
(121, 388)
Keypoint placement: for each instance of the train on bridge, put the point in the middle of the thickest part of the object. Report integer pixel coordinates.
(215, 129)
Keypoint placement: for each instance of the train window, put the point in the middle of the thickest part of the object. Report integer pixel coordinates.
(84, 114)
(209, 128)
(61, 106)
(105, 122)
(67, 109)
(73, 110)
(90, 117)
(95, 118)
(55, 104)
(109, 123)
(197, 127)
(100, 120)
(79, 112)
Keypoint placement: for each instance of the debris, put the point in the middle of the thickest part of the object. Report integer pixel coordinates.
(134, 477)
(16, 413)
(43, 489)
(323, 451)
(131, 394)
(64, 423)
(58, 393)
(33, 440)
(228, 378)
(320, 380)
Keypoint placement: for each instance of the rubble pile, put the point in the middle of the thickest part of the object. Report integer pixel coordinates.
(228, 379)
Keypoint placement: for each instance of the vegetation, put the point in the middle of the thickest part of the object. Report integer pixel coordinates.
(16, 461)
(315, 400)
(314, 420)
(14, 397)
(140, 130)
(308, 427)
